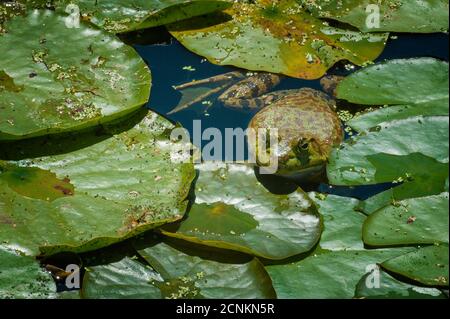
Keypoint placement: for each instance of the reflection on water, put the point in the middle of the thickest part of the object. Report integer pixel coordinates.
(171, 64)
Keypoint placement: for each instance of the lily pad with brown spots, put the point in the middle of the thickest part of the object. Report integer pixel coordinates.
(57, 78)
(83, 191)
(36, 183)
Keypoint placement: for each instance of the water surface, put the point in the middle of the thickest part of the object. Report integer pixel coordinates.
(171, 64)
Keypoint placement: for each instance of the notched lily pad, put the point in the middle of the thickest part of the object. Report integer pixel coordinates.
(412, 153)
(234, 211)
(96, 189)
(93, 80)
(412, 221)
(119, 16)
(275, 36)
(406, 141)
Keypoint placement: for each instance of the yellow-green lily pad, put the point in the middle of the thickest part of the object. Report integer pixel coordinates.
(277, 37)
(341, 222)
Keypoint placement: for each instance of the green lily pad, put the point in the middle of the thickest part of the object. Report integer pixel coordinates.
(366, 121)
(332, 275)
(412, 221)
(374, 85)
(178, 272)
(12, 8)
(234, 211)
(391, 288)
(22, 278)
(392, 196)
(119, 16)
(394, 84)
(378, 201)
(130, 279)
(412, 153)
(412, 16)
(277, 37)
(96, 189)
(93, 80)
(342, 223)
(66, 295)
(428, 266)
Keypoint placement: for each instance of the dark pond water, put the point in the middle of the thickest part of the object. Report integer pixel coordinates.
(168, 64)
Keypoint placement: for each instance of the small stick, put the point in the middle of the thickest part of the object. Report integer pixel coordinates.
(198, 99)
(214, 79)
(57, 272)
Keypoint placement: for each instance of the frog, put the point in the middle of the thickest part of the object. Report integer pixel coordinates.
(308, 127)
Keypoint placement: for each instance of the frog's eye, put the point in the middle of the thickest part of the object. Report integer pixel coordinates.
(304, 145)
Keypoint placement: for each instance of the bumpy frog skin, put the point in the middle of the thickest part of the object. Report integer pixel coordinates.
(308, 127)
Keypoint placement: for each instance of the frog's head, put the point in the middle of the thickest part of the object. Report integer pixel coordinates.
(309, 152)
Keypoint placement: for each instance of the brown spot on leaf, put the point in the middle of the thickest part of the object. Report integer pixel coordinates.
(7, 83)
(6, 220)
(36, 183)
(136, 217)
(64, 190)
(411, 219)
